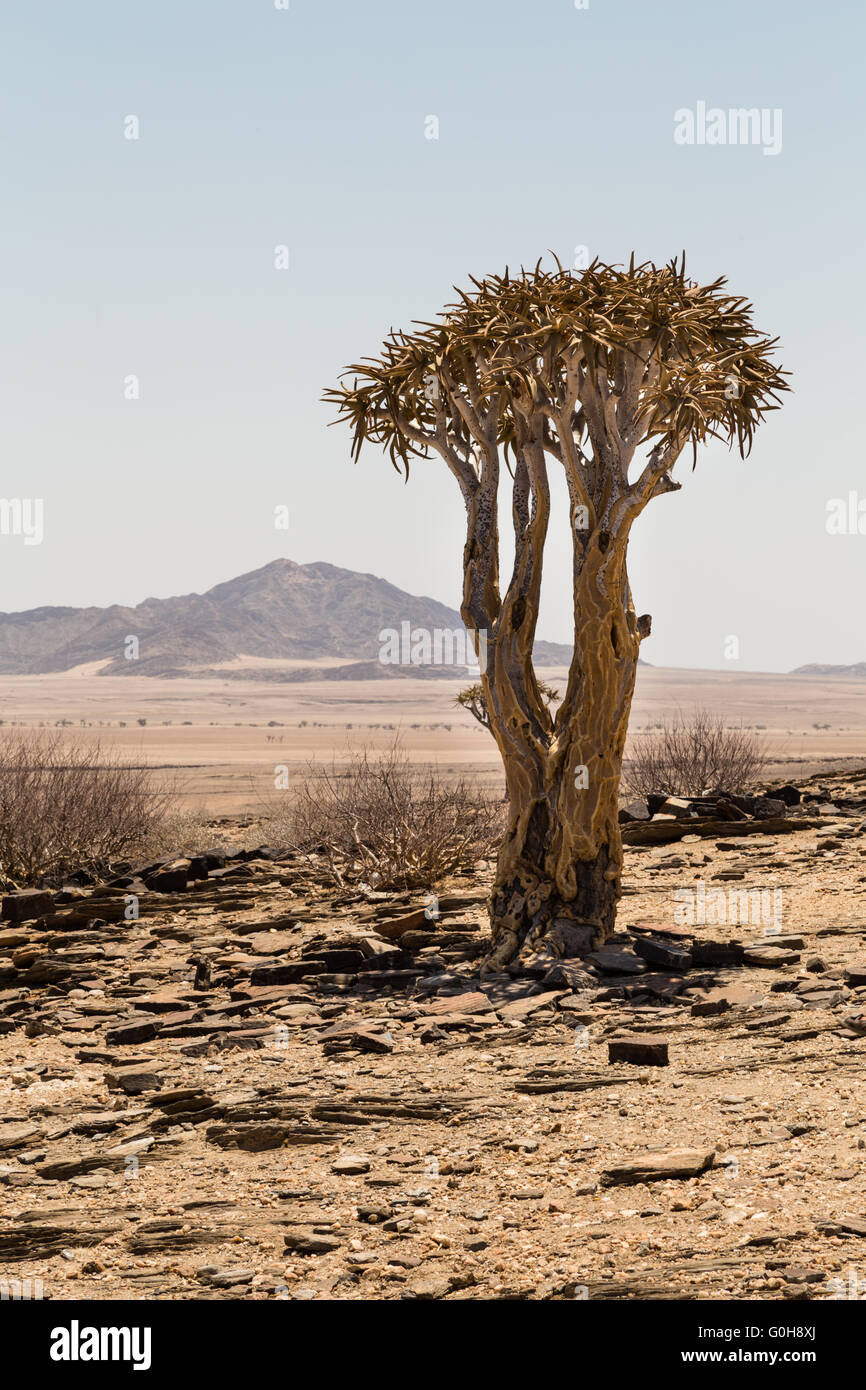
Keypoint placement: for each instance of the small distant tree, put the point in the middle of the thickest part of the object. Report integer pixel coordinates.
(472, 699)
(610, 376)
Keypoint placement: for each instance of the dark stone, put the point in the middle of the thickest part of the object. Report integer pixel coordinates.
(355, 1039)
(641, 1051)
(708, 1008)
(27, 905)
(659, 986)
(202, 974)
(717, 952)
(387, 979)
(662, 953)
(387, 960)
(659, 1167)
(172, 878)
(300, 1244)
(244, 856)
(614, 962)
(433, 1034)
(340, 961)
(287, 973)
(789, 794)
(133, 1080)
(335, 982)
(127, 1033)
(570, 976)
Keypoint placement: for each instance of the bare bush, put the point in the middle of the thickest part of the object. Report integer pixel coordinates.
(695, 754)
(67, 805)
(381, 820)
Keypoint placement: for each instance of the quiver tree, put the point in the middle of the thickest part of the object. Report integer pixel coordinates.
(609, 376)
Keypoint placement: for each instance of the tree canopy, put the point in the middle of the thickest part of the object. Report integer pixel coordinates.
(639, 353)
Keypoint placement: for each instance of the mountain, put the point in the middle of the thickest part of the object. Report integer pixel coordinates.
(858, 669)
(283, 610)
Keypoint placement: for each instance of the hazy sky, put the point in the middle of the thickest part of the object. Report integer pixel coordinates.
(260, 127)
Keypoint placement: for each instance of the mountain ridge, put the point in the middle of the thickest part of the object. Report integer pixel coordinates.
(816, 668)
(282, 610)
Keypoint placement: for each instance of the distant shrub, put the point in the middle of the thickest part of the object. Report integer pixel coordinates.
(382, 820)
(692, 754)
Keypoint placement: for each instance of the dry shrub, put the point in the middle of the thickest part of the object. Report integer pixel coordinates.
(180, 831)
(693, 754)
(382, 821)
(67, 805)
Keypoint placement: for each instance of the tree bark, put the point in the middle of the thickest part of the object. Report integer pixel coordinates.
(558, 876)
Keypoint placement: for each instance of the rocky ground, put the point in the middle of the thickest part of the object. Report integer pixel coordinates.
(266, 1088)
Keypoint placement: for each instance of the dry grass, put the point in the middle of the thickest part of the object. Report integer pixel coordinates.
(382, 821)
(693, 754)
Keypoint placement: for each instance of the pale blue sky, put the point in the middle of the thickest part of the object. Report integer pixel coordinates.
(261, 127)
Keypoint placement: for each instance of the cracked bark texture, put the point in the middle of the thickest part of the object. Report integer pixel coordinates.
(559, 867)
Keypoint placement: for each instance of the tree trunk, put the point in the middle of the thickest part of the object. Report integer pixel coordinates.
(559, 869)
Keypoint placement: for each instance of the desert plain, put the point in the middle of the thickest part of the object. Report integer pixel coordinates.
(220, 740)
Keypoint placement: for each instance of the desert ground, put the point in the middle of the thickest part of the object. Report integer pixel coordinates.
(270, 1086)
(267, 1088)
(220, 741)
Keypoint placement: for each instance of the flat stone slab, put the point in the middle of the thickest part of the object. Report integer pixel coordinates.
(676, 1163)
(771, 957)
(521, 1008)
(664, 953)
(617, 962)
(724, 997)
(133, 1080)
(351, 1164)
(472, 1002)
